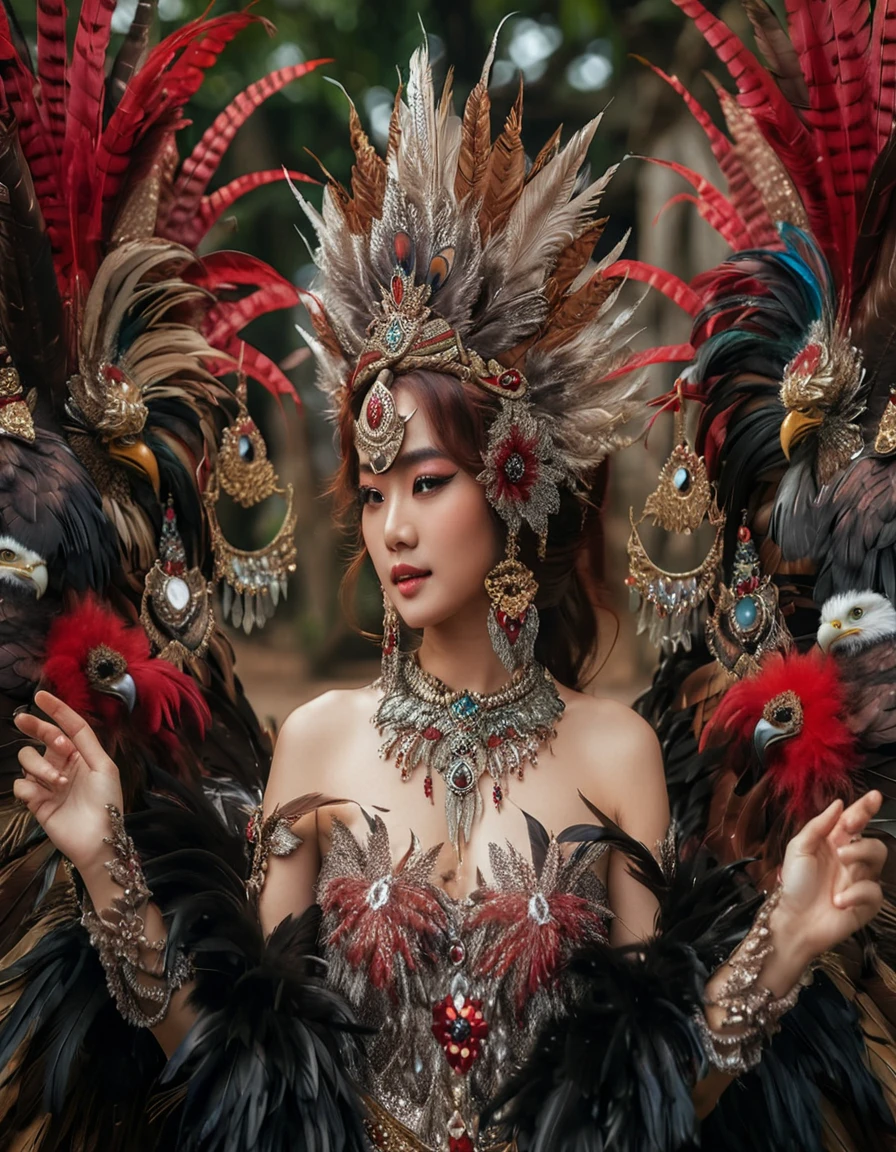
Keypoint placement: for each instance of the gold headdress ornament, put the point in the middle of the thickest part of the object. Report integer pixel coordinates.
(454, 255)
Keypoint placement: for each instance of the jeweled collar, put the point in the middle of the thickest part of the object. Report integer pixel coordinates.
(464, 734)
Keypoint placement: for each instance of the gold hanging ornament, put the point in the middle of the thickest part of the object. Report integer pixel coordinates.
(254, 580)
(746, 622)
(176, 609)
(670, 604)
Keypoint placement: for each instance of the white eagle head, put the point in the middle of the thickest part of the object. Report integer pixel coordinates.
(21, 568)
(851, 621)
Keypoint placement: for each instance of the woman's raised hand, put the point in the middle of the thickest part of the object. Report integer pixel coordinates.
(68, 786)
(831, 876)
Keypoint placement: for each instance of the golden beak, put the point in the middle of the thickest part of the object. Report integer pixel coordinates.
(139, 458)
(797, 425)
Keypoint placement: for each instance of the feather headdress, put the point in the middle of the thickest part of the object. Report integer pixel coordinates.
(455, 254)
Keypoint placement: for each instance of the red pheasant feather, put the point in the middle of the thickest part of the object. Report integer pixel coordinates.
(814, 765)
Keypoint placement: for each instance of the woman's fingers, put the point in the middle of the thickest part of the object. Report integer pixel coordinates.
(810, 837)
(864, 894)
(868, 854)
(39, 768)
(30, 792)
(855, 818)
(78, 731)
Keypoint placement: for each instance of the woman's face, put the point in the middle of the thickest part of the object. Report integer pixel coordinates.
(427, 526)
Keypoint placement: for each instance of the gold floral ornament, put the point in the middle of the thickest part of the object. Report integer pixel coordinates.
(820, 392)
(254, 580)
(15, 415)
(176, 609)
(670, 604)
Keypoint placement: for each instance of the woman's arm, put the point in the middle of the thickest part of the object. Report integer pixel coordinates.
(829, 885)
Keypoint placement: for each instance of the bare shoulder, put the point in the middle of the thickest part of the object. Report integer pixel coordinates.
(318, 734)
(616, 752)
(328, 713)
(607, 726)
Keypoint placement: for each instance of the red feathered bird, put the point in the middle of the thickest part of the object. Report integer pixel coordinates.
(789, 725)
(102, 667)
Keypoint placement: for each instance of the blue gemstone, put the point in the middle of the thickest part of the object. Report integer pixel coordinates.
(745, 612)
(682, 479)
(394, 334)
(464, 707)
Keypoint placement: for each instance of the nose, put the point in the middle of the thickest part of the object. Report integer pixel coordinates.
(400, 529)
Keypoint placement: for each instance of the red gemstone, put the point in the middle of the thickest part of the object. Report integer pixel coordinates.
(375, 412)
(497, 796)
(460, 1143)
(431, 733)
(461, 778)
(427, 787)
(744, 534)
(397, 289)
(630, 581)
(494, 740)
(510, 733)
(457, 953)
(247, 428)
(250, 830)
(389, 644)
(510, 627)
(509, 380)
(114, 373)
(169, 513)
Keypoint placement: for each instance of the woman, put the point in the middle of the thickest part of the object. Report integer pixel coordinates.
(477, 388)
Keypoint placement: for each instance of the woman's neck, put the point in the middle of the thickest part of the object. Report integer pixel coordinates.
(459, 652)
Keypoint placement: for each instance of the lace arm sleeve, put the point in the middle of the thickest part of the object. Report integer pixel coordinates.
(138, 972)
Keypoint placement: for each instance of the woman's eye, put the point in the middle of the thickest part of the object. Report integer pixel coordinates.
(430, 483)
(369, 496)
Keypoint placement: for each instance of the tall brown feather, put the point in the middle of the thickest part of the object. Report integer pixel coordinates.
(576, 310)
(368, 174)
(475, 146)
(547, 153)
(572, 260)
(506, 173)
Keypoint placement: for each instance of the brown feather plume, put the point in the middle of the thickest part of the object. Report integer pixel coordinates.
(506, 173)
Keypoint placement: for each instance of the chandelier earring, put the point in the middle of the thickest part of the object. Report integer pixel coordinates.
(254, 580)
(391, 646)
(512, 616)
(670, 604)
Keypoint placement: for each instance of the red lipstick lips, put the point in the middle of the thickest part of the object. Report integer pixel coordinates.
(408, 579)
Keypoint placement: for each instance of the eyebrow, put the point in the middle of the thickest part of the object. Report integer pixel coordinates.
(409, 459)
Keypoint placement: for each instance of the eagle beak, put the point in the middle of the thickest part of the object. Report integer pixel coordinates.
(797, 425)
(140, 458)
(765, 734)
(35, 574)
(124, 689)
(39, 578)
